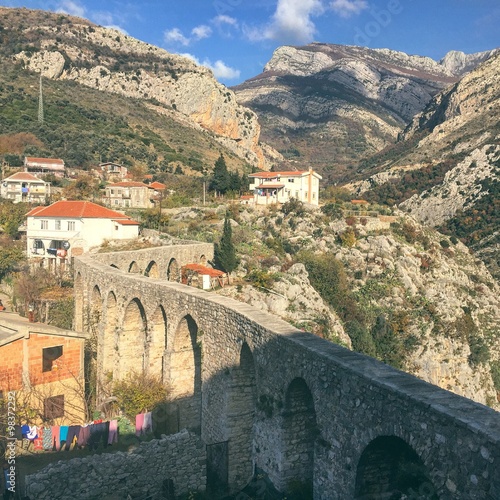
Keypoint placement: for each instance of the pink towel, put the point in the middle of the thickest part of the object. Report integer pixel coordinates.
(113, 432)
(139, 421)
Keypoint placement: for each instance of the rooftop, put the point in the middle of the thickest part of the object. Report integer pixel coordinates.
(77, 209)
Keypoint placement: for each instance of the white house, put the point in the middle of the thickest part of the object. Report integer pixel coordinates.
(24, 186)
(70, 228)
(280, 187)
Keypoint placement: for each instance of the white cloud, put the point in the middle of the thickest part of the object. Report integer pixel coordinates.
(223, 19)
(219, 68)
(108, 20)
(175, 36)
(291, 23)
(72, 8)
(348, 8)
(202, 31)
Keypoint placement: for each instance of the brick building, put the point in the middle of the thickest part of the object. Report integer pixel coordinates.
(44, 366)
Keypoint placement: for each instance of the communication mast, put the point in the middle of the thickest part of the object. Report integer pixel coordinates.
(40, 103)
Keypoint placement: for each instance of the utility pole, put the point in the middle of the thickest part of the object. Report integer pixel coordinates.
(40, 103)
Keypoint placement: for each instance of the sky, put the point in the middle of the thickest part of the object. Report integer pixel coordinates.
(236, 38)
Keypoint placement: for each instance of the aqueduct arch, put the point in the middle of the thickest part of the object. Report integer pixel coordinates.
(106, 348)
(133, 268)
(173, 271)
(390, 468)
(152, 270)
(184, 377)
(131, 340)
(156, 343)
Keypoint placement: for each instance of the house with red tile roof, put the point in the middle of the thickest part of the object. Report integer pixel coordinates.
(70, 228)
(129, 194)
(44, 166)
(23, 186)
(280, 187)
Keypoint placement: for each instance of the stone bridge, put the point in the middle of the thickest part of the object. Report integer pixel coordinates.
(312, 415)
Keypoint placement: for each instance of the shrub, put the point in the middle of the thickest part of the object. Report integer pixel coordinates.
(348, 237)
(139, 392)
(293, 206)
(479, 352)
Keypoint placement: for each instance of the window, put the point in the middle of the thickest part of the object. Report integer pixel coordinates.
(116, 202)
(58, 225)
(50, 356)
(291, 180)
(53, 407)
(71, 225)
(297, 195)
(44, 224)
(314, 196)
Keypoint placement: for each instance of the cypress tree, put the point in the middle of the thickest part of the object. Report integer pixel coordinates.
(221, 179)
(224, 251)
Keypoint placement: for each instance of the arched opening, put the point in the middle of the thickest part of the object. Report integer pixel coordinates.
(115, 266)
(131, 340)
(241, 411)
(134, 268)
(78, 287)
(203, 260)
(94, 313)
(185, 375)
(152, 270)
(390, 468)
(157, 342)
(173, 271)
(107, 346)
(299, 434)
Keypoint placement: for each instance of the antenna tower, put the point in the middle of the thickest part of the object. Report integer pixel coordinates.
(40, 103)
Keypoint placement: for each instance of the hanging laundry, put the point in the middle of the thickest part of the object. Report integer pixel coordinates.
(73, 433)
(113, 432)
(32, 433)
(147, 425)
(139, 421)
(56, 432)
(84, 435)
(24, 430)
(47, 439)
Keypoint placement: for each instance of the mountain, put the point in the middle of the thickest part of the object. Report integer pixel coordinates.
(71, 49)
(332, 105)
(445, 170)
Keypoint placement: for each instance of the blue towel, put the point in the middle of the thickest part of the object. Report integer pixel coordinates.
(63, 433)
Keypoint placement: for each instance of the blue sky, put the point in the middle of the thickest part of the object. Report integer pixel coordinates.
(235, 38)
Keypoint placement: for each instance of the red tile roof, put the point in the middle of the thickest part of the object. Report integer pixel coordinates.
(198, 268)
(272, 175)
(23, 176)
(129, 184)
(32, 159)
(76, 209)
(126, 222)
(158, 185)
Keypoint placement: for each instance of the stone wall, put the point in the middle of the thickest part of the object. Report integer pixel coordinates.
(293, 404)
(180, 457)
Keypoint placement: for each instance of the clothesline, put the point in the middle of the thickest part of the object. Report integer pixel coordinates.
(87, 435)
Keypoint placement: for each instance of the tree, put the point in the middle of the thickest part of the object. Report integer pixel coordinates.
(220, 181)
(10, 256)
(224, 251)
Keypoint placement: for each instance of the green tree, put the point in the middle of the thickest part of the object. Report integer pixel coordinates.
(220, 181)
(10, 256)
(224, 251)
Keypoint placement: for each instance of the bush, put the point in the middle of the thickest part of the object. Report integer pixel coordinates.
(479, 352)
(293, 206)
(139, 392)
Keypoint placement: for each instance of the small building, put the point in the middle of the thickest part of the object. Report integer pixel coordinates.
(41, 166)
(25, 187)
(44, 365)
(202, 276)
(280, 187)
(129, 194)
(113, 171)
(69, 228)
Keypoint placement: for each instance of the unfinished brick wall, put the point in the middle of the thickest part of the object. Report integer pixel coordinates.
(11, 373)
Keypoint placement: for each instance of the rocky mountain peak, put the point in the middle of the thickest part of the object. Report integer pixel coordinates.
(458, 63)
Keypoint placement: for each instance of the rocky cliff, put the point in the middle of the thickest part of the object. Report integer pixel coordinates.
(70, 48)
(331, 105)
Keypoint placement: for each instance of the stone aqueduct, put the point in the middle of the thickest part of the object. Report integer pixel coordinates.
(270, 396)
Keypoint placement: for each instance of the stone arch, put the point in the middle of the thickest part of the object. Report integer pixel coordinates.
(152, 270)
(185, 375)
(299, 434)
(157, 343)
(173, 271)
(133, 268)
(107, 346)
(131, 340)
(78, 287)
(390, 468)
(203, 260)
(241, 412)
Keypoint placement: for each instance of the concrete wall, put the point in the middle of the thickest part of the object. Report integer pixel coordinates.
(291, 403)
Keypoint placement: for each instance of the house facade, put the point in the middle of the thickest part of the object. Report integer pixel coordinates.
(44, 166)
(25, 187)
(69, 228)
(129, 194)
(44, 365)
(280, 187)
(113, 171)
